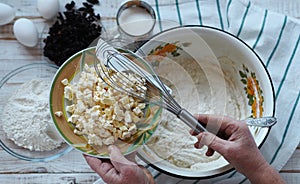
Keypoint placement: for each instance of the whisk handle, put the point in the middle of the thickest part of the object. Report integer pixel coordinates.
(191, 121)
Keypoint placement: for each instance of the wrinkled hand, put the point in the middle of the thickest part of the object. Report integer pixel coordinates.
(235, 142)
(119, 170)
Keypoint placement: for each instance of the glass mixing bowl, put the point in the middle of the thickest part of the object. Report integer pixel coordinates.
(8, 86)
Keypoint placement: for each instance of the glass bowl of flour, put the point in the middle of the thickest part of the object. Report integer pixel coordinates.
(210, 72)
(26, 128)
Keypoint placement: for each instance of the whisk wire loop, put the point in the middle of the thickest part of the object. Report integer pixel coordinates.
(155, 92)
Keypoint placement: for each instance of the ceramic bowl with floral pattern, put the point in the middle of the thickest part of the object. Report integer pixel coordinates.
(210, 71)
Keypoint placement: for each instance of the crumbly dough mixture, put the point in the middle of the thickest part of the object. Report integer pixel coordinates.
(199, 90)
(26, 118)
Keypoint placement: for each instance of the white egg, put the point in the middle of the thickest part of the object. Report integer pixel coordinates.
(7, 14)
(26, 32)
(48, 9)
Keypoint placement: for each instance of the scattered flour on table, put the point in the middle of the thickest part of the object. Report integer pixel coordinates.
(27, 120)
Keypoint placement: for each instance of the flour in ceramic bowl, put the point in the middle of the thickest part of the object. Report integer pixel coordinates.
(191, 87)
(26, 117)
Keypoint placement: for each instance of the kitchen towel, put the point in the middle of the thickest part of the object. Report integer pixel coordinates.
(275, 38)
(287, 7)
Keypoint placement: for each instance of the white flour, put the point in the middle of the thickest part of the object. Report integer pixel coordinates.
(191, 88)
(26, 118)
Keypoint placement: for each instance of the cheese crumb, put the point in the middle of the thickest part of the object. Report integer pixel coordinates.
(65, 82)
(58, 113)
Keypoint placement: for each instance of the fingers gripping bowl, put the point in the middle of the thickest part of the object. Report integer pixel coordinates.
(223, 77)
(90, 115)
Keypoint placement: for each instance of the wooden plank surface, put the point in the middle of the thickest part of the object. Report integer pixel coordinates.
(69, 163)
(72, 167)
(293, 165)
(44, 178)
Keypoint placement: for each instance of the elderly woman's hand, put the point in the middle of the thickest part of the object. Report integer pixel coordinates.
(235, 142)
(119, 170)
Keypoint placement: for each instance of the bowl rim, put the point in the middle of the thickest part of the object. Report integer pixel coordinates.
(210, 28)
(2, 82)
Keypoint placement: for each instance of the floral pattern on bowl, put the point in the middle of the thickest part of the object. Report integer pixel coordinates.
(166, 49)
(253, 91)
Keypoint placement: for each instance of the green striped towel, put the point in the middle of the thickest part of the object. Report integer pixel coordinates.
(275, 38)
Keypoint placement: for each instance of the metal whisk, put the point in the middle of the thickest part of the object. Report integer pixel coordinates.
(155, 92)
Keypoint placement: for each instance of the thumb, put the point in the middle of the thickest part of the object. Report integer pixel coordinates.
(212, 141)
(117, 159)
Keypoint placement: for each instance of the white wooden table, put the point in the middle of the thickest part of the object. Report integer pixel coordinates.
(72, 167)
